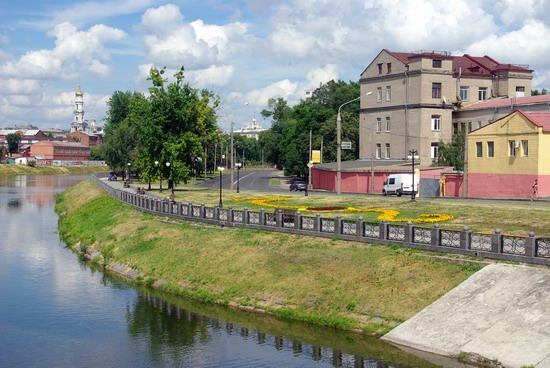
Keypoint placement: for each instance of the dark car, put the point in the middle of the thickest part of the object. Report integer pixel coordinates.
(298, 185)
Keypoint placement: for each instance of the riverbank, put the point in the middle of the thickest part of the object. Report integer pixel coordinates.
(50, 170)
(347, 285)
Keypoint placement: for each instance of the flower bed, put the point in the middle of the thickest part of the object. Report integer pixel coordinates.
(385, 214)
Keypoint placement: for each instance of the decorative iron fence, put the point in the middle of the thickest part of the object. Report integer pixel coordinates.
(528, 249)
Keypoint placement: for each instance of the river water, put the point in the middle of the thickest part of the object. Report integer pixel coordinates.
(57, 311)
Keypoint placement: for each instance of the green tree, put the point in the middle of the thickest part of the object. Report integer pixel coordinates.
(452, 153)
(13, 140)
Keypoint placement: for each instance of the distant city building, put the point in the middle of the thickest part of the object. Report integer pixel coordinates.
(79, 124)
(64, 151)
(252, 130)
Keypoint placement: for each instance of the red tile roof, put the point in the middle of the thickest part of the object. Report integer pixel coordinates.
(540, 119)
(502, 102)
(468, 65)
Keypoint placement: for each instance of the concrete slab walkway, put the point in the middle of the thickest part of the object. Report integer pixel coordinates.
(501, 312)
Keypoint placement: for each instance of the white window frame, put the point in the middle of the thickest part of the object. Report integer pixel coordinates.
(378, 94)
(479, 149)
(436, 92)
(378, 150)
(525, 148)
(378, 125)
(464, 93)
(388, 151)
(482, 93)
(434, 150)
(490, 149)
(388, 123)
(388, 93)
(436, 123)
(512, 148)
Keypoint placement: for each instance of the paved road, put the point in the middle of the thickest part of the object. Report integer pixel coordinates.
(250, 180)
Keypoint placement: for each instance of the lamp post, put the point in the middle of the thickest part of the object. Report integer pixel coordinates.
(170, 178)
(220, 169)
(339, 145)
(238, 165)
(157, 166)
(128, 172)
(413, 154)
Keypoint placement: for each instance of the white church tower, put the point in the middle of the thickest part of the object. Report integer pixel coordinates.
(78, 124)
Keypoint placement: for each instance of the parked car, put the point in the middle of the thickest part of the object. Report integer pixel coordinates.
(399, 184)
(298, 185)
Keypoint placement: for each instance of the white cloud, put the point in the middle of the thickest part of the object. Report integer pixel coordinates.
(4, 39)
(519, 46)
(170, 41)
(76, 53)
(214, 76)
(284, 89)
(19, 86)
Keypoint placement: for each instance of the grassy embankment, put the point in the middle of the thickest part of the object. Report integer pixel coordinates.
(6, 170)
(325, 281)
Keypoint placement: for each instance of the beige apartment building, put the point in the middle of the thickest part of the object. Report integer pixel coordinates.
(409, 100)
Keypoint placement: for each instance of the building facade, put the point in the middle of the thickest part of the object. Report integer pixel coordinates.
(251, 130)
(506, 156)
(63, 151)
(408, 99)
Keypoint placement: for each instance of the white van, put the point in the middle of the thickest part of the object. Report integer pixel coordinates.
(399, 184)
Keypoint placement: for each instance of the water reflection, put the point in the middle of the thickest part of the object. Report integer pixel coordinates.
(175, 332)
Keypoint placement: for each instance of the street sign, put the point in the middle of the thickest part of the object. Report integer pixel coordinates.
(346, 145)
(316, 156)
(310, 164)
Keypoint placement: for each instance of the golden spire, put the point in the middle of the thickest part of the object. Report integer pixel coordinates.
(79, 91)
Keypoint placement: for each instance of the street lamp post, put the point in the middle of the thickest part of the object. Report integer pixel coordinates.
(238, 165)
(339, 145)
(128, 172)
(413, 154)
(220, 169)
(170, 178)
(157, 166)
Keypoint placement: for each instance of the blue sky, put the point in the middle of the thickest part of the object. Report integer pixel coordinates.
(245, 51)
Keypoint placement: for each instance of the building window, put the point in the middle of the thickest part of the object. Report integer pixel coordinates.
(436, 123)
(388, 123)
(464, 93)
(380, 68)
(388, 151)
(379, 94)
(520, 91)
(436, 90)
(378, 150)
(389, 67)
(378, 125)
(482, 94)
(437, 63)
(434, 151)
(525, 148)
(479, 149)
(512, 145)
(388, 93)
(491, 149)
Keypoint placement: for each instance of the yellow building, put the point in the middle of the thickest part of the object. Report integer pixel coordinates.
(507, 156)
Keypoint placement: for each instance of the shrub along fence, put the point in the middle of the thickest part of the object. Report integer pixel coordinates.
(527, 249)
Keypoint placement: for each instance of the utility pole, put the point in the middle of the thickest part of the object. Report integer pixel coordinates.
(309, 166)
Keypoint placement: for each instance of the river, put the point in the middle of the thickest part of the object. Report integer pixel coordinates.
(58, 311)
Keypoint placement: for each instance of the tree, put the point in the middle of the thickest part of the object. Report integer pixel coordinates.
(13, 140)
(452, 154)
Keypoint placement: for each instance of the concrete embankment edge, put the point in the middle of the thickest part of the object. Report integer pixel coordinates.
(501, 312)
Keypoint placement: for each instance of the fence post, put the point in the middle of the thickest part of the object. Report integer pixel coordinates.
(279, 218)
(384, 229)
(230, 214)
(262, 217)
(215, 213)
(436, 236)
(190, 209)
(317, 222)
(496, 242)
(245, 215)
(408, 229)
(531, 245)
(337, 225)
(465, 238)
(298, 220)
(203, 212)
(359, 228)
